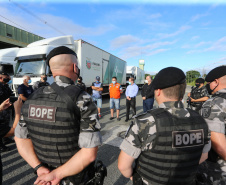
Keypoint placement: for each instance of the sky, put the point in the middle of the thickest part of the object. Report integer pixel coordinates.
(188, 34)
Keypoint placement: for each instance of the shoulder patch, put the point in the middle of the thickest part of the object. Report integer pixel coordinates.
(189, 138)
(206, 112)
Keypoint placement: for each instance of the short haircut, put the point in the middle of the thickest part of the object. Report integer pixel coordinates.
(175, 92)
(114, 77)
(132, 79)
(25, 77)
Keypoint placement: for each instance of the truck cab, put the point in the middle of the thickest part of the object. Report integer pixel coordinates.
(7, 63)
(31, 60)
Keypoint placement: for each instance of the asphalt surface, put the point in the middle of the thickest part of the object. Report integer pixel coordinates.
(17, 172)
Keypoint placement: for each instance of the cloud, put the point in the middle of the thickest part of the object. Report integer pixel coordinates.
(198, 16)
(219, 45)
(201, 44)
(149, 49)
(154, 16)
(123, 40)
(180, 30)
(157, 51)
(51, 25)
(195, 37)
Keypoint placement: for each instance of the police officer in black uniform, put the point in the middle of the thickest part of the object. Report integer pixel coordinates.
(81, 84)
(168, 142)
(198, 95)
(60, 134)
(5, 93)
(41, 83)
(6, 130)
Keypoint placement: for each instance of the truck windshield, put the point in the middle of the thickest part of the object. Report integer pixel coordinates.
(31, 68)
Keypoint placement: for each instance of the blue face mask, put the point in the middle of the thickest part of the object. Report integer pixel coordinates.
(97, 81)
(113, 82)
(29, 81)
(9, 82)
(129, 83)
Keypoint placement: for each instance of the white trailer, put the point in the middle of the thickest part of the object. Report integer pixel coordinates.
(137, 73)
(92, 62)
(7, 63)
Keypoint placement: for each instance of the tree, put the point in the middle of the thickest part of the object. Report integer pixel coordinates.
(192, 75)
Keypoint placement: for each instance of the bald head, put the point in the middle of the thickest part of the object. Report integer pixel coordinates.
(64, 65)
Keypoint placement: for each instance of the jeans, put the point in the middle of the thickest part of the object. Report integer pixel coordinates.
(148, 104)
(98, 102)
(114, 103)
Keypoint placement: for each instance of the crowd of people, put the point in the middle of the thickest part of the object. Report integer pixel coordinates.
(57, 126)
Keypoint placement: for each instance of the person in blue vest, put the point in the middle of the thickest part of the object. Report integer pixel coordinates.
(169, 142)
(97, 88)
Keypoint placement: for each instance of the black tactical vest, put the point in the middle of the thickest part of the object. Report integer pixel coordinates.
(41, 84)
(52, 126)
(196, 93)
(176, 150)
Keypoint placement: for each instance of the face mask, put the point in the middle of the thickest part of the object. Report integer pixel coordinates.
(210, 90)
(45, 78)
(29, 81)
(79, 81)
(197, 85)
(129, 83)
(113, 82)
(6, 80)
(10, 82)
(97, 81)
(146, 81)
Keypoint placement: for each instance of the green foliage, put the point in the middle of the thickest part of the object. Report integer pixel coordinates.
(191, 76)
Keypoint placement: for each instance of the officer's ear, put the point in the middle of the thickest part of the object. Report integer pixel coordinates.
(158, 92)
(74, 68)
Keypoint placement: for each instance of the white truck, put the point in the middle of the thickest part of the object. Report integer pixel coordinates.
(137, 73)
(7, 63)
(92, 62)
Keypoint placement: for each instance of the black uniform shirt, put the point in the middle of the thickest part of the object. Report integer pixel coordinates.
(146, 91)
(5, 92)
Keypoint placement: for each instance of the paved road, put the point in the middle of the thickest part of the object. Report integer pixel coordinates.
(16, 171)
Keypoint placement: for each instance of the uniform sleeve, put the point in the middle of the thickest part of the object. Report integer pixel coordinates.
(207, 147)
(35, 86)
(21, 130)
(139, 136)
(89, 136)
(205, 93)
(216, 117)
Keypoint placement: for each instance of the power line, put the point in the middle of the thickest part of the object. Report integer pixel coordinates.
(37, 17)
(14, 23)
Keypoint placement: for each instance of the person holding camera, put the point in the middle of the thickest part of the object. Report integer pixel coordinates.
(5, 130)
(5, 93)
